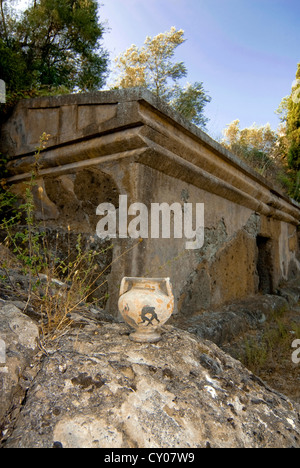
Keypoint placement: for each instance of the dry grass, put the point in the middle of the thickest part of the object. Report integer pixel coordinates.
(59, 288)
(268, 352)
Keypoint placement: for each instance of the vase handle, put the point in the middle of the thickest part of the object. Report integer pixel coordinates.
(169, 287)
(124, 286)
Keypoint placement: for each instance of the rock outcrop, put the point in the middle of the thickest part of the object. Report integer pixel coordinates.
(18, 342)
(93, 387)
(227, 323)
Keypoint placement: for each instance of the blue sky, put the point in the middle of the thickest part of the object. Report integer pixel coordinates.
(245, 51)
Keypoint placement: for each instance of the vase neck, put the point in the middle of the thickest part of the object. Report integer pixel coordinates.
(149, 285)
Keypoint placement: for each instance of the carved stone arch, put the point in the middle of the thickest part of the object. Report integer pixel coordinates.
(77, 195)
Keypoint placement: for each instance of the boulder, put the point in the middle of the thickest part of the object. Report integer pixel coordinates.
(227, 323)
(18, 345)
(96, 388)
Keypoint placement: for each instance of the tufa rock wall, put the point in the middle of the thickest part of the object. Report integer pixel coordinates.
(127, 142)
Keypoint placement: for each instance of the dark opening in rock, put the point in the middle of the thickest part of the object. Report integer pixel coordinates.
(265, 265)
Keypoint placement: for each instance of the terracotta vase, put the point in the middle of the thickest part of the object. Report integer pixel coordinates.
(146, 304)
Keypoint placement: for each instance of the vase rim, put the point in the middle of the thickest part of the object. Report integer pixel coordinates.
(141, 279)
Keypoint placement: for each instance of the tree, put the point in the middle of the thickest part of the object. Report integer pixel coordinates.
(3, 21)
(190, 101)
(293, 124)
(55, 43)
(289, 110)
(152, 66)
(258, 146)
(260, 138)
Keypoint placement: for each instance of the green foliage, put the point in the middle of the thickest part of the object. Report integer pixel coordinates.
(13, 66)
(256, 145)
(54, 44)
(289, 110)
(293, 126)
(61, 37)
(190, 102)
(153, 67)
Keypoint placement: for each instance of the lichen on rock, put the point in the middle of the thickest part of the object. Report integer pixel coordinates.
(96, 388)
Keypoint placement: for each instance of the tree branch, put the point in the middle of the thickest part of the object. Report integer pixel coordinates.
(4, 22)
